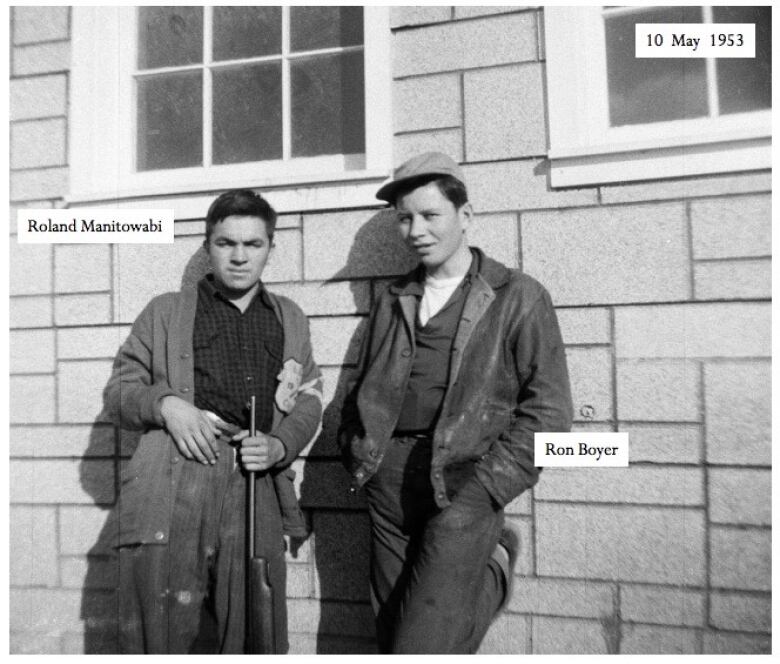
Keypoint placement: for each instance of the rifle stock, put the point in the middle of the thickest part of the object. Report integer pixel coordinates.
(261, 604)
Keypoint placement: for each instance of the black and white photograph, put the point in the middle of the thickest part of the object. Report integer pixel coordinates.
(245, 240)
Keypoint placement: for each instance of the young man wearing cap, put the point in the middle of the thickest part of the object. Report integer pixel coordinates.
(186, 376)
(462, 361)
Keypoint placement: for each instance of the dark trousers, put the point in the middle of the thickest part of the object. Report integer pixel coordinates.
(434, 586)
(163, 587)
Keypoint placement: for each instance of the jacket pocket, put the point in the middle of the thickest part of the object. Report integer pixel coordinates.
(142, 457)
(274, 351)
(204, 345)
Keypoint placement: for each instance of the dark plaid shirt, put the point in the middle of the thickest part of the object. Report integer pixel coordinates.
(236, 355)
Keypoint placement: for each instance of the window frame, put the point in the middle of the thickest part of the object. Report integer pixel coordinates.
(585, 150)
(103, 126)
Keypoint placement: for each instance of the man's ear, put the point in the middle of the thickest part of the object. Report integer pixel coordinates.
(467, 214)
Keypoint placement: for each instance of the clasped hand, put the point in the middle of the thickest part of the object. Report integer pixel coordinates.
(195, 435)
(259, 452)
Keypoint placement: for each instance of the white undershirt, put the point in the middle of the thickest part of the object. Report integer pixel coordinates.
(435, 296)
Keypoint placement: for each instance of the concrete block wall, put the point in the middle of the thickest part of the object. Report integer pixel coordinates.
(663, 294)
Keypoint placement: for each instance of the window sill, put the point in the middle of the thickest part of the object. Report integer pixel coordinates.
(633, 163)
(303, 192)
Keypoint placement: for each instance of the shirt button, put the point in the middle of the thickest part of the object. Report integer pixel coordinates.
(185, 389)
(249, 379)
(159, 535)
(406, 352)
(440, 495)
(436, 475)
(184, 356)
(175, 460)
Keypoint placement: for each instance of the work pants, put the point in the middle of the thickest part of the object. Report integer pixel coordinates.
(163, 587)
(434, 586)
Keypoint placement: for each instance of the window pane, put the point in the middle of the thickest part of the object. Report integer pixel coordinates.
(745, 84)
(648, 89)
(169, 36)
(170, 130)
(248, 113)
(246, 32)
(327, 105)
(324, 27)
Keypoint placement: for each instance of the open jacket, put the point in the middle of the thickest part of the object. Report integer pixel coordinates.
(507, 380)
(155, 361)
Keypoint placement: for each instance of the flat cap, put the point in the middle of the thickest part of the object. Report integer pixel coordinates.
(428, 163)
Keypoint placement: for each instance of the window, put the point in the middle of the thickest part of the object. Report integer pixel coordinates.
(175, 99)
(614, 117)
(273, 83)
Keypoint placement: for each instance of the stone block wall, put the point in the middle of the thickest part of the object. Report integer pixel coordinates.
(663, 293)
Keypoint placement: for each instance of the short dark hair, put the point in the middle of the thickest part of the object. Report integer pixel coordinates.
(242, 203)
(450, 187)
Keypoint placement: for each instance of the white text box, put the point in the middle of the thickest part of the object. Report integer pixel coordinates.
(581, 449)
(94, 226)
(695, 40)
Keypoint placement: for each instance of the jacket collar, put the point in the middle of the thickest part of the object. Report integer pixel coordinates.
(492, 272)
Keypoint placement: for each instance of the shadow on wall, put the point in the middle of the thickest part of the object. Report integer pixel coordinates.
(99, 601)
(339, 537)
(339, 521)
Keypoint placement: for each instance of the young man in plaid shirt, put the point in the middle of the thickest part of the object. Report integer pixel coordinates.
(185, 377)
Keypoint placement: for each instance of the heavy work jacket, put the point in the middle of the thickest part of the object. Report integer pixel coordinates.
(155, 361)
(507, 380)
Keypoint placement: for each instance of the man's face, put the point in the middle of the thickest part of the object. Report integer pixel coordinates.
(433, 227)
(238, 251)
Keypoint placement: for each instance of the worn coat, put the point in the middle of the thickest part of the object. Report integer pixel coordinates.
(508, 379)
(156, 360)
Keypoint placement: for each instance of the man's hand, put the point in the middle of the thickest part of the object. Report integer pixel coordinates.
(259, 452)
(226, 430)
(192, 430)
